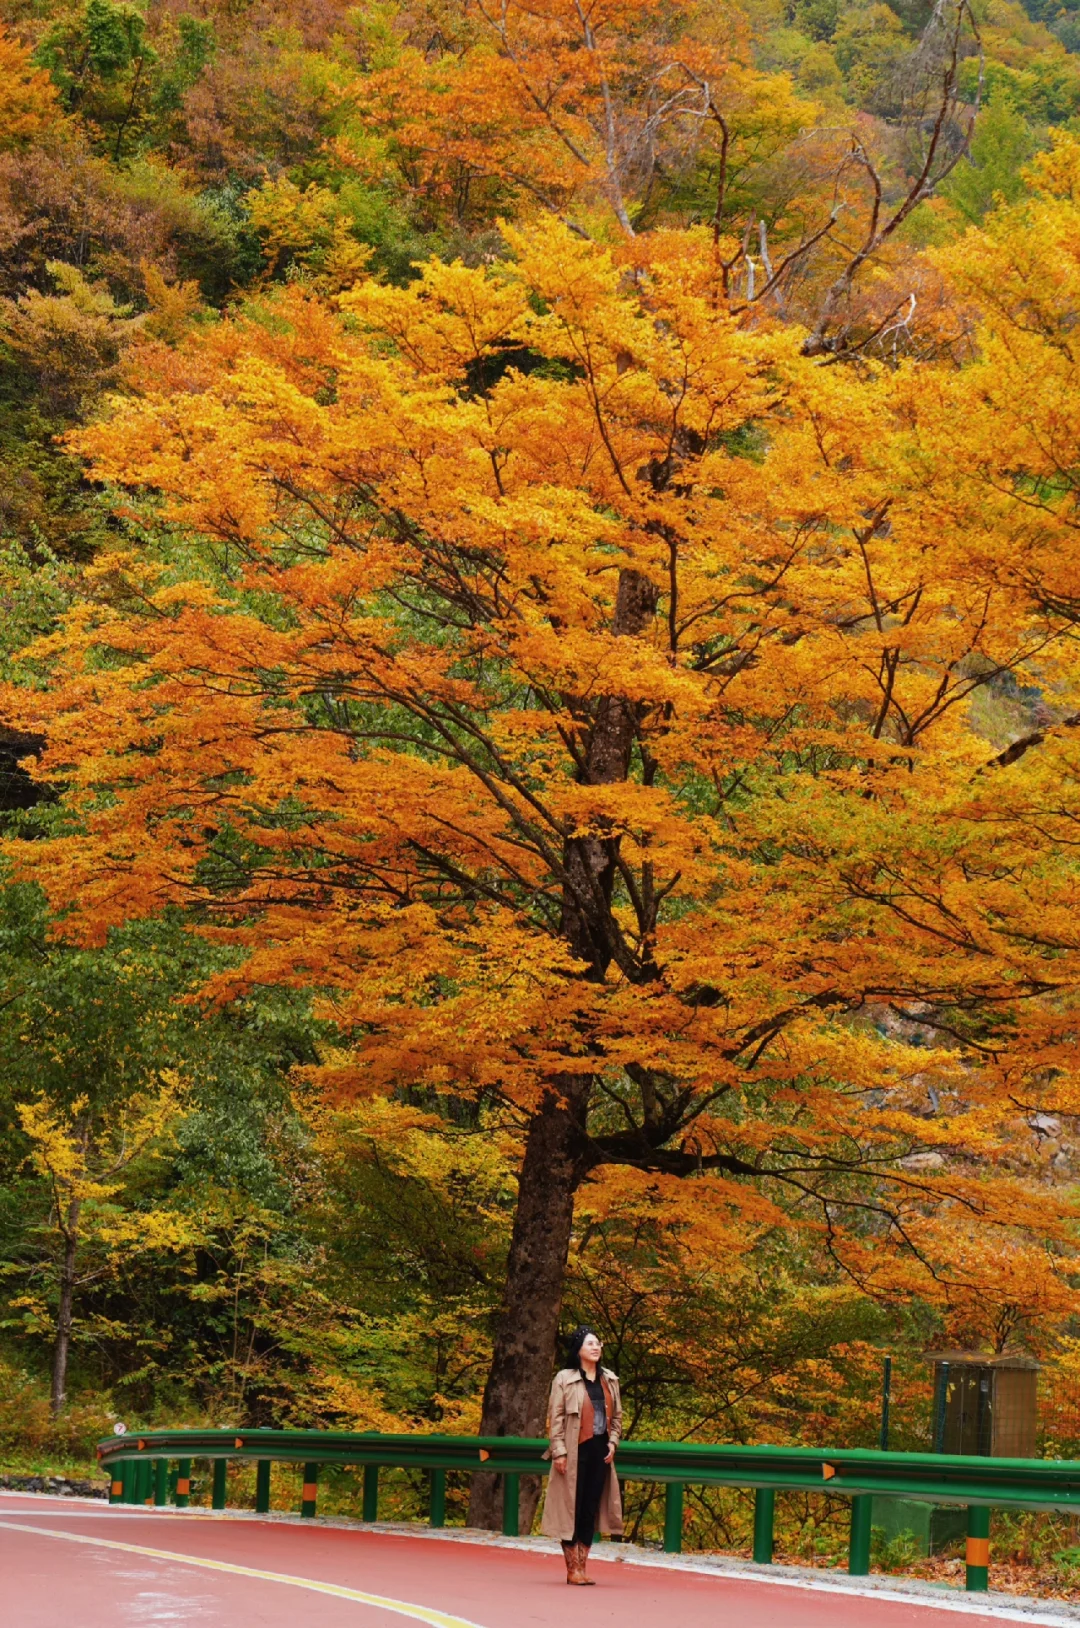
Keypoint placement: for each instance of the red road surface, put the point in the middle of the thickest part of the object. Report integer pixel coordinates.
(49, 1581)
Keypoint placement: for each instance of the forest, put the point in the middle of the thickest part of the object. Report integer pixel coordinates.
(539, 702)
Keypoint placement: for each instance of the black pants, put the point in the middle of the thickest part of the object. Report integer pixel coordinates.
(592, 1473)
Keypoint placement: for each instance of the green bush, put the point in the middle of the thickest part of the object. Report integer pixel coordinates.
(27, 1426)
(896, 1554)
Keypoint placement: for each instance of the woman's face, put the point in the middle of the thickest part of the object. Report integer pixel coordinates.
(590, 1349)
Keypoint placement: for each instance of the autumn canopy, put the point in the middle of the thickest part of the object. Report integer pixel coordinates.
(610, 661)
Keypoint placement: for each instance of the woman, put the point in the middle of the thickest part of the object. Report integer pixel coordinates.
(584, 1426)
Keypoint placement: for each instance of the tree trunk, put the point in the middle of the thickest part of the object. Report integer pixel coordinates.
(515, 1396)
(65, 1310)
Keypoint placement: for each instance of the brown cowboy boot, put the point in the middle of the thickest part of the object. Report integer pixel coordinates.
(575, 1566)
(582, 1551)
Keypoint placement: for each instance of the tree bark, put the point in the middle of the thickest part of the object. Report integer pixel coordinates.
(515, 1396)
(65, 1310)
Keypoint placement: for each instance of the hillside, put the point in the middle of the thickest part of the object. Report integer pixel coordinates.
(537, 756)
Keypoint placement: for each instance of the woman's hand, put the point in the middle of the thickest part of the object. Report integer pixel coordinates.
(560, 1465)
(610, 1454)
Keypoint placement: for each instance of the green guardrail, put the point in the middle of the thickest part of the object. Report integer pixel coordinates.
(141, 1473)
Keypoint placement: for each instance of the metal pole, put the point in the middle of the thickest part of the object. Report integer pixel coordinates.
(183, 1483)
(859, 1548)
(262, 1486)
(437, 1516)
(939, 1411)
(371, 1492)
(886, 1397)
(511, 1488)
(978, 1549)
(310, 1490)
(161, 1482)
(116, 1484)
(673, 1504)
(764, 1516)
(983, 1418)
(221, 1470)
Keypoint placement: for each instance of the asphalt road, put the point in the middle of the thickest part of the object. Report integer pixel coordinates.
(67, 1565)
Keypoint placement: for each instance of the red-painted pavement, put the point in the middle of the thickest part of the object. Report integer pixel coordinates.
(49, 1582)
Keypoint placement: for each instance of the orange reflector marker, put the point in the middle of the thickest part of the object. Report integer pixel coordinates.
(310, 1492)
(978, 1552)
(239, 1442)
(484, 1455)
(117, 1488)
(183, 1486)
(827, 1472)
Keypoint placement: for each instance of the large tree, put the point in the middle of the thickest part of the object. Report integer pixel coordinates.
(582, 691)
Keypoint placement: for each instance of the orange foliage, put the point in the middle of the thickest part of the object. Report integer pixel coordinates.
(604, 736)
(550, 104)
(620, 718)
(29, 105)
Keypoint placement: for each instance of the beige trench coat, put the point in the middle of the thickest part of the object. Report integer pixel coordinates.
(564, 1414)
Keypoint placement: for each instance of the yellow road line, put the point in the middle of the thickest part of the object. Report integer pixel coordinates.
(420, 1613)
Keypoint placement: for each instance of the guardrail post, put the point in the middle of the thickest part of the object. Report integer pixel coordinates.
(116, 1484)
(437, 1516)
(673, 1502)
(262, 1487)
(764, 1515)
(859, 1549)
(127, 1473)
(978, 1548)
(161, 1482)
(310, 1490)
(146, 1481)
(221, 1470)
(511, 1492)
(183, 1483)
(371, 1492)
